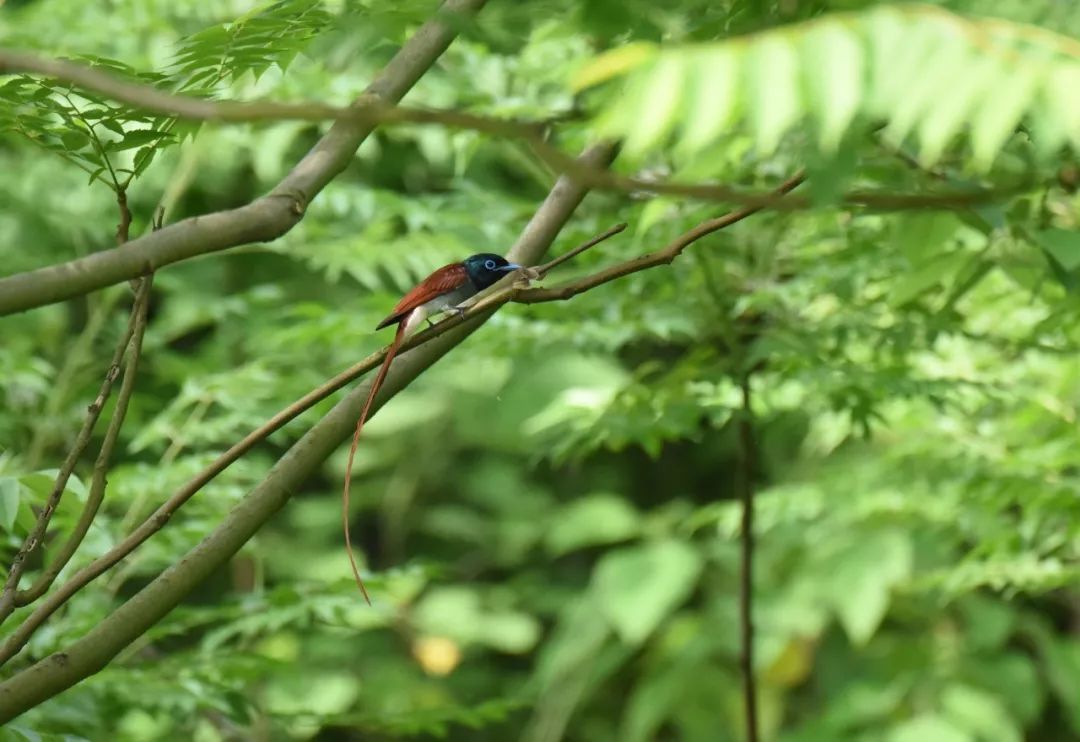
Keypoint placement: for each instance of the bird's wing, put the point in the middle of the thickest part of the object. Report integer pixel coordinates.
(443, 280)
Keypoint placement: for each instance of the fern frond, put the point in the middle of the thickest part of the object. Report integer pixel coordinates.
(926, 74)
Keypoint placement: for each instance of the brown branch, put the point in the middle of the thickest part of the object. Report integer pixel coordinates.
(101, 464)
(124, 226)
(8, 597)
(134, 338)
(748, 466)
(264, 219)
(372, 111)
(166, 510)
(93, 651)
(869, 199)
(661, 257)
(542, 270)
(272, 216)
(480, 309)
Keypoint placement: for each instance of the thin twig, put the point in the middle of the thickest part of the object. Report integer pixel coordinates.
(372, 110)
(124, 226)
(748, 467)
(136, 328)
(156, 521)
(125, 627)
(660, 257)
(552, 264)
(78, 358)
(93, 412)
(101, 464)
(482, 306)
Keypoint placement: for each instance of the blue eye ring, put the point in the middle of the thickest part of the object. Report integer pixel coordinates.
(489, 264)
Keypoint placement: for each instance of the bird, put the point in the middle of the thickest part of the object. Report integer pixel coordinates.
(442, 291)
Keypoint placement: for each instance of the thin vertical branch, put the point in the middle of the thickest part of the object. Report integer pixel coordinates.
(37, 534)
(124, 225)
(11, 596)
(748, 465)
(101, 465)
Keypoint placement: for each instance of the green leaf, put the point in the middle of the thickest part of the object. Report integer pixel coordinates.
(934, 46)
(1059, 121)
(656, 211)
(1000, 113)
(1062, 659)
(612, 64)
(935, 272)
(73, 141)
(711, 99)
(637, 587)
(592, 520)
(980, 713)
(137, 138)
(942, 123)
(660, 95)
(928, 728)
(1063, 245)
(774, 99)
(510, 632)
(457, 612)
(9, 502)
(892, 53)
(113, 125)
(861, 578)
(833, 68)
(911, 68)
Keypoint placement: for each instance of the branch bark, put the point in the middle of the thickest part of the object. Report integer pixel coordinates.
(663, 256)
(18, 638)
(101, 464)
(264, 219)
(748, 466)
(273, 215)
(10, 597)
(372, 111)
(59, 671)
(484, 304)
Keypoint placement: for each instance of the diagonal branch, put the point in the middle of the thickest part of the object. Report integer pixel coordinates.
(663, 256)
(272, 216)
(372, 111)
(93, 651)
(101, 464)
(264, 219)
(9, 597)
(748, 456)
(485, 304)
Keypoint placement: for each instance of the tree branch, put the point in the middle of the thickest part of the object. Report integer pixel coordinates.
(101, 464)
(9, 598)
(89, 654)
(661, 257)
(272, 216)
(481, 308)
(748, 466)
(374, 110)
(14, 642)
(264, 219)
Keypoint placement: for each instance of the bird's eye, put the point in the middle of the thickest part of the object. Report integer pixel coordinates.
(489, 264)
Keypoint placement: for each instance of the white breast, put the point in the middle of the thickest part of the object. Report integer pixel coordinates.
(440, 303)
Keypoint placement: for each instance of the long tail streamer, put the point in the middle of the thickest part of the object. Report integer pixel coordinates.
(390, 353)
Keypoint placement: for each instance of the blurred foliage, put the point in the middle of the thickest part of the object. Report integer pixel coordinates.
(547, 515)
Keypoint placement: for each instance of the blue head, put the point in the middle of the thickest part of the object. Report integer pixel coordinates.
(486, 268)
